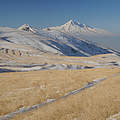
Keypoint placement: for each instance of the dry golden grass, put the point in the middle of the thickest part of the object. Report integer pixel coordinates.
(96, 103)
(29, 88)
(52, 59)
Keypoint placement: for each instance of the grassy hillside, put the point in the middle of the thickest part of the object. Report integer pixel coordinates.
(23, 89)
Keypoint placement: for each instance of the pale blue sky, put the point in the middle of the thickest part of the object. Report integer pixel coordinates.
(97, 13)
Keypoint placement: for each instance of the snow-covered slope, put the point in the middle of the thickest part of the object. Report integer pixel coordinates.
(86, 32)
(55, 42)
(60, 40)
(25, 38)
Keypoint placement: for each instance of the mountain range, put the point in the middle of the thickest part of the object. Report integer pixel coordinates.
(70, 39)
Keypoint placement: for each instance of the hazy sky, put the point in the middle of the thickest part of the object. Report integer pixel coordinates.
(97, 13)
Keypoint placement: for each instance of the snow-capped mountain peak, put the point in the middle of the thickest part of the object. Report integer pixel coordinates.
(75, 24)
(71, 26)
(78, 28)
(27, 27)
(71, 22)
